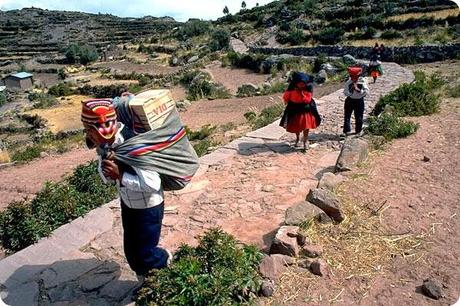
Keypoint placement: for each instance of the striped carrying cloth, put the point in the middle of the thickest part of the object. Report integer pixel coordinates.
(165, 149)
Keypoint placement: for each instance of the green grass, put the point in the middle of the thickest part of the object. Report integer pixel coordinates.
(266, 116)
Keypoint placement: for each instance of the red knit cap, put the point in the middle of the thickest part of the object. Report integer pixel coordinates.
(100, 114)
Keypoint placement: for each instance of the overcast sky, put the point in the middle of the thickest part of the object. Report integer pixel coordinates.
(181, 10)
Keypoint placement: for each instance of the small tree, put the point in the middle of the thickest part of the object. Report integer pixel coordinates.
(82, 54)
(220, 39)
(243, 5)
(226, 11)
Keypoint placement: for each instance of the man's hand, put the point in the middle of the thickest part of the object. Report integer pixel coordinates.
(110, 169)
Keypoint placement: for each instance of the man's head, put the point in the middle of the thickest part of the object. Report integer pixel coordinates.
(99, 120)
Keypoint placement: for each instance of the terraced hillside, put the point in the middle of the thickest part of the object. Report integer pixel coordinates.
(33, 31)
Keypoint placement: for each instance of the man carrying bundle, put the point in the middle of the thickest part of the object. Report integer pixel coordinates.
(134, 162)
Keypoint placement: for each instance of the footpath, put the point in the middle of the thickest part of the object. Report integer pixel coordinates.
(244, 187)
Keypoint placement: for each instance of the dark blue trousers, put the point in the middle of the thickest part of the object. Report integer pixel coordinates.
(142, 229)
(353, 106)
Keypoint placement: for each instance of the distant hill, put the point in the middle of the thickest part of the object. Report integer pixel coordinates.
(32, 31)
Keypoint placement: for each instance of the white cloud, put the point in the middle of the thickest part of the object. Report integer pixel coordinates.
(179, 9)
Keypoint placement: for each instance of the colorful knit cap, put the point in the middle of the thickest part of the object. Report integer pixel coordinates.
(100, 114)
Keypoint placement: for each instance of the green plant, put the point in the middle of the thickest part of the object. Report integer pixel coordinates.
(266, 116)
(330, 35)
(219, 271)
(28, 154)
(202, 146)
(2, 98)
(391, 34)
(201, 134)
(220, 39)
(81, 54)
(390, 126)
(60, 90)
(42, 100)
(22, 224)
(454, 91)
(415, 99)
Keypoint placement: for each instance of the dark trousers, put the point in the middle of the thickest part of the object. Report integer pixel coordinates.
(353, 106)
(141, 234)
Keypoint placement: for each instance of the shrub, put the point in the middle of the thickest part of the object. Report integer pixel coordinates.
(192, 28)
(390, 126)
(297, 37)
(82, 54)
(60, 90)
(202, 147)
(2, 98)
(42, 100)
(28, 154)
(220, 39)
(330, 36)
(266, 116)
(415, 99)
(22, 224)
(201, 134)
(391, 34)
(218, 271)
(454, 91)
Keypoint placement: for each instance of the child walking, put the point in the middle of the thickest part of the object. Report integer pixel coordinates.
(355, 90)
(301, 113)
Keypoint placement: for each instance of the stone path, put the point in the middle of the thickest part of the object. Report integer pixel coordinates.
(244, 187)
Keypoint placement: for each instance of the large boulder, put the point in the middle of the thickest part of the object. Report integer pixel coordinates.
(354, 151)
(301, 212)
(193, 59)
(238, 45)
(327, 201)
(285, 241)
(329, 68)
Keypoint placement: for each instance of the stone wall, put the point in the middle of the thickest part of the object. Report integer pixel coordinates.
(401, 55)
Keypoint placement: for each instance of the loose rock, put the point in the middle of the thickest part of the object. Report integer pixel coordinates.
(268, 288)
(285, 241)
(327, 201)
(330, 180)
(301, 212)
(273, 266)
(432, 288)
(319, 267)
(312, 250)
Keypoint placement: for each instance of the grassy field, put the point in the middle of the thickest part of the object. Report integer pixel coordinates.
(436, 14)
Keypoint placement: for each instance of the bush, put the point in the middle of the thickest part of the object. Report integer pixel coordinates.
(201, 134)
(390, 126)
(22, 224)
(220, 39)
(2, 98)
(42, 100)
(454, 91)
(60, 90)
(217, 272)
(297, 37)
(192, 28)
(330, 36)
(266, 116)
(28, 154)
(415, 99)
(391, 34)
(81, 54)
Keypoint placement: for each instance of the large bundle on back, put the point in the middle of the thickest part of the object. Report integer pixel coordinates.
(158, 141)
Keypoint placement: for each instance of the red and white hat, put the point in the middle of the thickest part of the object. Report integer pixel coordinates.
(100, 114)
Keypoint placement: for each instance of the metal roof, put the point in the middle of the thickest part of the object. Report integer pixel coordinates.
(22, 75)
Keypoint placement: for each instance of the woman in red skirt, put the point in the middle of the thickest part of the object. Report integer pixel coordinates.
(301, 113)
